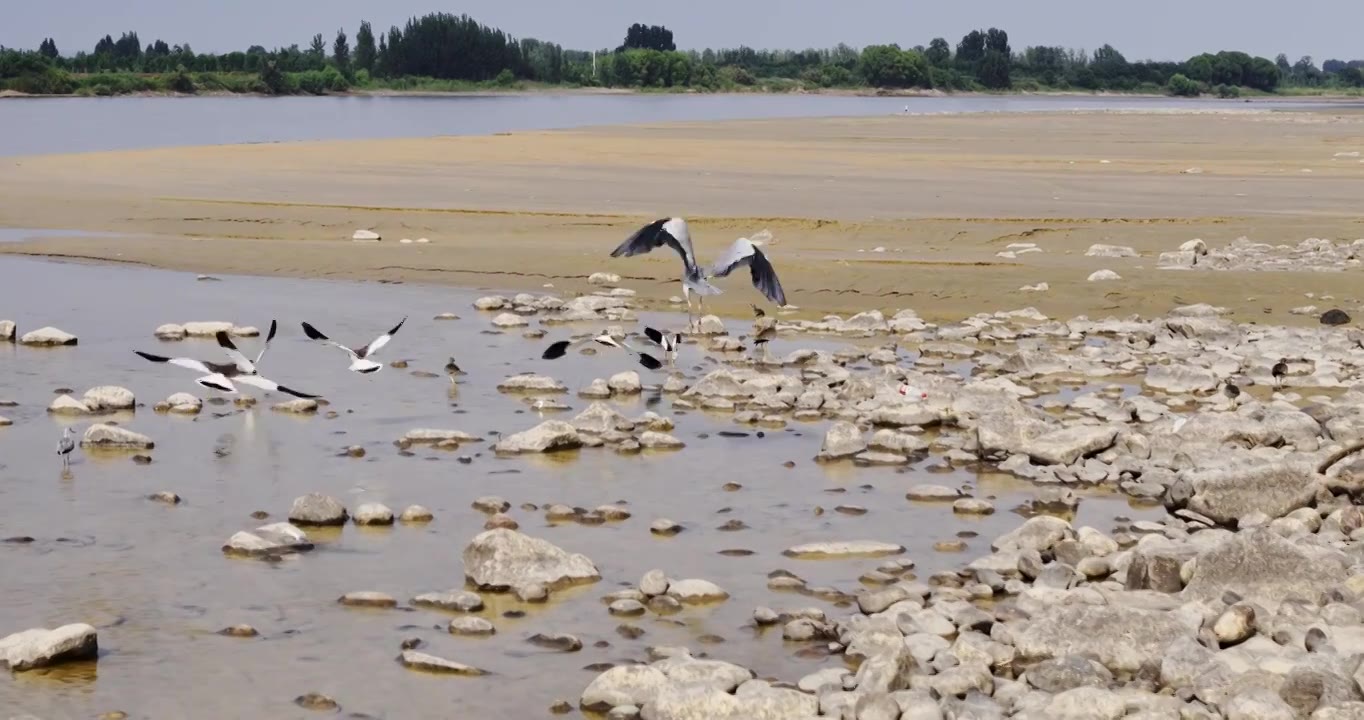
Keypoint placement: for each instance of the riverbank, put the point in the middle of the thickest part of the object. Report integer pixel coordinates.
(938, 213)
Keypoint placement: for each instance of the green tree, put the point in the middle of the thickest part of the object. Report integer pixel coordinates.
(272, 79)
(993, 71)
(48, 49)
(318, 50)
(889, 66)
(365, 52)
(971, 49)
(341, 54)
(939, 53)
(648, 37)
(1182, 86)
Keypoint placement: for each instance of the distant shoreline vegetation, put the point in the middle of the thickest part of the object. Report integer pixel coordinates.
(445, 53)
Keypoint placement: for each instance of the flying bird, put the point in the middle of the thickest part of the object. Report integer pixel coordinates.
(359, 359)
(673, 232)
(65, 446)
(220, 376)
(245, 366)
(558, 349)
(667, 341)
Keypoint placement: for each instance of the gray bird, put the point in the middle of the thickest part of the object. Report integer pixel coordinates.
(65, 446)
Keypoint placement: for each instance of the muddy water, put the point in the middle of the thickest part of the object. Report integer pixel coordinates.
(152, 578)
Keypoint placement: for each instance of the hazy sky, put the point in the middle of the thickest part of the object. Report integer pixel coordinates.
(1141, 29)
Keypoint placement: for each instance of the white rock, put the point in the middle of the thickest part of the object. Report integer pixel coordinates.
(711, 325)
(694, 591)
(372, 514)
(67, 405)
(659, 441)
(108, 398)
(1100, 275)
(5, 422)
(170, 331)
(180, 403)
(432, 435)
(1039, 287)
(603, 278)
(297, 406)
(502, 559)
(206, 328)
(42, 648)
(48, 337)
(365, 236)
(625, 383)
(415, 660)
(491, 302)
(1195, 246)
(115, 437)
(510, 320)
(531, 384)
(843, 549)
(7, 330)
(548, 436)
(1111, 251)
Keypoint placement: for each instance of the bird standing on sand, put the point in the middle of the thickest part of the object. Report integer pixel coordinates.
(360, 358)
(65, 446)
(1232, 392)
(558, 349)
(1279, 370)
(673, 232)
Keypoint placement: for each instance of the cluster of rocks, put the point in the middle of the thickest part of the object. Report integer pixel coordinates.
(203, 329)
(315, 510)
(597, 426)
(96, 401)
(607, 305)
(1312, 254)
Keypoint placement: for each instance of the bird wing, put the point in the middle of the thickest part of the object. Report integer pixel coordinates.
(271, 386)
(217, 381)
(268, 338)
(556, 350)
(740, 253)
(243, 363)
(380, 341)
(189, 363)
(765, 278)
(654, 336)
(672, 232)
(313, 334)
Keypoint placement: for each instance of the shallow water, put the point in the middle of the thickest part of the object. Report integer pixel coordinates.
(152, 578)
(62, 125)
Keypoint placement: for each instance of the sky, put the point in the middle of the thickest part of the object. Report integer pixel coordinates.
(1146, 29)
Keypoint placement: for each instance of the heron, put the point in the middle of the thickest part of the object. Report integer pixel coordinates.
(674, 233)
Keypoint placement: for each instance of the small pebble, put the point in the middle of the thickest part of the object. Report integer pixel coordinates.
(665, 527)
(316, 701)
(240, 631)
(169, 498)
(367, 598)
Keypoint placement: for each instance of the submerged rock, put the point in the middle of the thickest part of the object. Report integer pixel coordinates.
(502, 559)
(414, 660)
(851, 548)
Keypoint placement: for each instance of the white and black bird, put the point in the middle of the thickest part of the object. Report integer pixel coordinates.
(65, 446)
(673, 232)
(359, 358)
(667, 342)
(558, 349)
(220, 376)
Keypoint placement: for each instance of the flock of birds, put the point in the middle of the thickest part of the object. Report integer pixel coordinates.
(672, 232)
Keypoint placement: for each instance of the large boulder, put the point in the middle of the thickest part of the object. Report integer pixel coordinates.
(1177, 379)
(842, 440)
(113, 437)
(318, 509)
(1264, 568)
(47, 337)
(42, 648)
(548, 436)
(7, 331)
(108, 398)
(1067, 445)
(502, 559)
(1275, 489)
(1123, 639)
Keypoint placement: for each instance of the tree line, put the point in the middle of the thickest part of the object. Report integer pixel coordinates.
(459, 51)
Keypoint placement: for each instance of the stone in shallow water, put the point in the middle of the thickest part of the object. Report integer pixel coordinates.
(415, 660)
(933, 493)
(316, 701)
(503, 559)
(549, 436)
(556, 641)
(49, 337)
(268, 541)
(67, 405)
(696, 591)
(665, 527)
(368, 598)
(113, 437)
(416, 514)
(41, 647)
(851, 548)
(451, 600)
(470, 626)
(317, 509)
(297, 406)
(373, 514)
(239, 631)
(108, 398)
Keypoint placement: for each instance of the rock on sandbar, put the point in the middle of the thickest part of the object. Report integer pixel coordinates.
(548, 436)
(113, 437)
(41, 647)
(48, 337)
(850, 548)
(502, 559)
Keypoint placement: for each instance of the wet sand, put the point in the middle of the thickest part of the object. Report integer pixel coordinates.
(154, 582)
(942, 195)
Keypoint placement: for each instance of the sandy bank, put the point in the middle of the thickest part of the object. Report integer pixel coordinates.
(941, 194)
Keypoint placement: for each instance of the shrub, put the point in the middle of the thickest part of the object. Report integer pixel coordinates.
(181, 82)
(1182, 86)
(1228, 91)
(505, 78)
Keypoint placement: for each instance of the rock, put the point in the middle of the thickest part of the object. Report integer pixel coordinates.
(503, 559)
(170, 331)
(416, 514)
(1265, 569)
(316, 701)
(1123, 639)
(625, 383)
(623, 685)
(1275, 489)
(268, 541)
(108, 398)
(659, 441)
(972, 506)
(602, 278)
(1180, 379)
(510, 320)
(1235, 624)
(693, 591)
(531, 592)
(1258, 703)
(166, 497)
(365, 236)
(180, 404)
(626, 607)
(368, 598)
(415, 660)
(40, 647)
(595, 390)
(239, 631)
(1195, 246)
(5, 422)
(450, 600)
(113, 437)
(1111, 251)
(1086, 703)
(206, 329)
(1335, 316)
(7, 331)
(665, 527)
(558, 641)
(932, 493)
(470, 626)
(548, 436)
(297, 406)
(854, 548)
(711, 325)
(67, 405)
(1101, 275)
(434, 436)
(48, 337)
(1068, 445)
(843, 439)
(1068, 672)
(373, 514)
(654, 582)
(317, 509)
(531, 383)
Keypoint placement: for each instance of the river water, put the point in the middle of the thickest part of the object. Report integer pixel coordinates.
(35, 126)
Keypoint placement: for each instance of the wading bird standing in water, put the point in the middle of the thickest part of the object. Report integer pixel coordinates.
(673, 232)
(65, 446)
